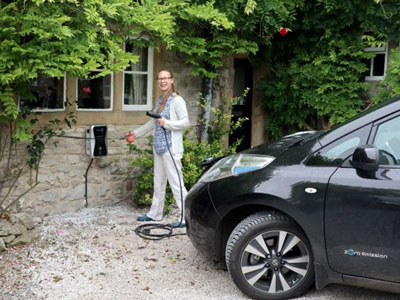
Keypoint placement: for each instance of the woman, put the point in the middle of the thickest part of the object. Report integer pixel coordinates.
(168, 135)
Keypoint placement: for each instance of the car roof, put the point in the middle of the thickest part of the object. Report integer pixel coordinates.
(373, 114)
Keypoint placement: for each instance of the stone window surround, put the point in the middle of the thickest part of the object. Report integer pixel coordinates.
(377, 50)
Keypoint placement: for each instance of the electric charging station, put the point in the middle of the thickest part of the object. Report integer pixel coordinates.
(97, 141)
(96, 145)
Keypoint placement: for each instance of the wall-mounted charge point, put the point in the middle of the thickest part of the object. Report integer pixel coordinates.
(97, 140)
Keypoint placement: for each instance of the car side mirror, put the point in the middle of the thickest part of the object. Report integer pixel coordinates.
(366, 158)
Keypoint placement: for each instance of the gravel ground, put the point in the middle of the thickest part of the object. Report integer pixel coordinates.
(95, 254)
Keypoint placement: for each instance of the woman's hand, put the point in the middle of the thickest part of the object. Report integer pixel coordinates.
(130, 137)
(161, 121)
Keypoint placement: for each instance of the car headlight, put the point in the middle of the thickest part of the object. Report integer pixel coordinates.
(237, 164)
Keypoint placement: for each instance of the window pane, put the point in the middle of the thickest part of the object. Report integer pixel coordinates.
(336, 152)
(48, 93)
(379, 65)
(367, 63)
(141, 65)
(135, 89)
(387, 140)
(95, 93)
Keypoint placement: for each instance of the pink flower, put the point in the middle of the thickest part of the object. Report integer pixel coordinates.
(59, 232)
(87, 90)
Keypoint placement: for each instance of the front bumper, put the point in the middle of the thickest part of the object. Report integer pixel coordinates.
(201, 220)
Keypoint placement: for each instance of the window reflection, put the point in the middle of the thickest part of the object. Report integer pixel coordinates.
(95, 93)
(47, 93)
(387, 140)
(334, 153)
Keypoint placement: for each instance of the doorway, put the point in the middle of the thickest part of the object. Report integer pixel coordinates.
(243, 79)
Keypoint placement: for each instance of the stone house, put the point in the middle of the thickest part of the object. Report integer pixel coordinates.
(68, 179)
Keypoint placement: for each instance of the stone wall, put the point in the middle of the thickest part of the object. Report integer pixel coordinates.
(18, 229)
(62, 174)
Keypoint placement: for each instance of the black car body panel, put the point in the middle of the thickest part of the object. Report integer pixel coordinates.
(367, 210)
(350, 217)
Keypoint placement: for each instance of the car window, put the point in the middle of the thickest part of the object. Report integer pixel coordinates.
(334, 153)
(387, 140)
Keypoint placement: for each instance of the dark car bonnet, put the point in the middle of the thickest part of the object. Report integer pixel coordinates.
(276, 147)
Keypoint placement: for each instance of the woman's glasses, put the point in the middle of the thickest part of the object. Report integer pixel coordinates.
(163, 78)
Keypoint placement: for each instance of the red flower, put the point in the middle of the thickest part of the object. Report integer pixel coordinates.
(87, 90)
(130, 138)
(283, 31)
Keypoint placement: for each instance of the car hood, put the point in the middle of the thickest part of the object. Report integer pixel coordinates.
(276, 147)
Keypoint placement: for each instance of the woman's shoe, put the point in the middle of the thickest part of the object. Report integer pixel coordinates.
(178, 224)
(144, 218)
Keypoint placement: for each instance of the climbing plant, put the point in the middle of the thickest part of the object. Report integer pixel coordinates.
(316, 71)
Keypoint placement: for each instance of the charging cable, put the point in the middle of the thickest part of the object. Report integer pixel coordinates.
(144, 230)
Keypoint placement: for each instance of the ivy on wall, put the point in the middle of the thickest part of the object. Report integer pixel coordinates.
(315, 74)
(390, 86)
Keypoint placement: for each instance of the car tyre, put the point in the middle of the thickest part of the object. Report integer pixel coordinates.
(269, 257)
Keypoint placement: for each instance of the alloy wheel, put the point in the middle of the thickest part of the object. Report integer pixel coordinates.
(275, 261)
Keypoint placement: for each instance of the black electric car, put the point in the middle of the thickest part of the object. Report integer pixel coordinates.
(319, 207)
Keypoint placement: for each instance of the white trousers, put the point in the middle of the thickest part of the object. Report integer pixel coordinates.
(164, 170)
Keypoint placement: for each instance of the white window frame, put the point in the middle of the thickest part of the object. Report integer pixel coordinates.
(51, 109)
(111, 95)
(149, 73)
(377, 50)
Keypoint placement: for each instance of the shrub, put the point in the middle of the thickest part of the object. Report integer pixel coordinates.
(390, 86)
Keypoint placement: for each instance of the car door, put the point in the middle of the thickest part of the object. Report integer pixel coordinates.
(362, 211)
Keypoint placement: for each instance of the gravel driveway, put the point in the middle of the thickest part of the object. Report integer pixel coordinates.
(95, 254)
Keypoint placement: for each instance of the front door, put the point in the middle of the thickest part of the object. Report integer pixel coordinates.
(362, 212)
(242, 109)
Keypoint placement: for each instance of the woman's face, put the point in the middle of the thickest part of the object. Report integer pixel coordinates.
(165, 81)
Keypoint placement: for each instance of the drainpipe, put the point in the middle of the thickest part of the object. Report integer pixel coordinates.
(208, 93)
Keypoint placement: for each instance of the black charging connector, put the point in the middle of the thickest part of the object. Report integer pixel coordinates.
(153, 115)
